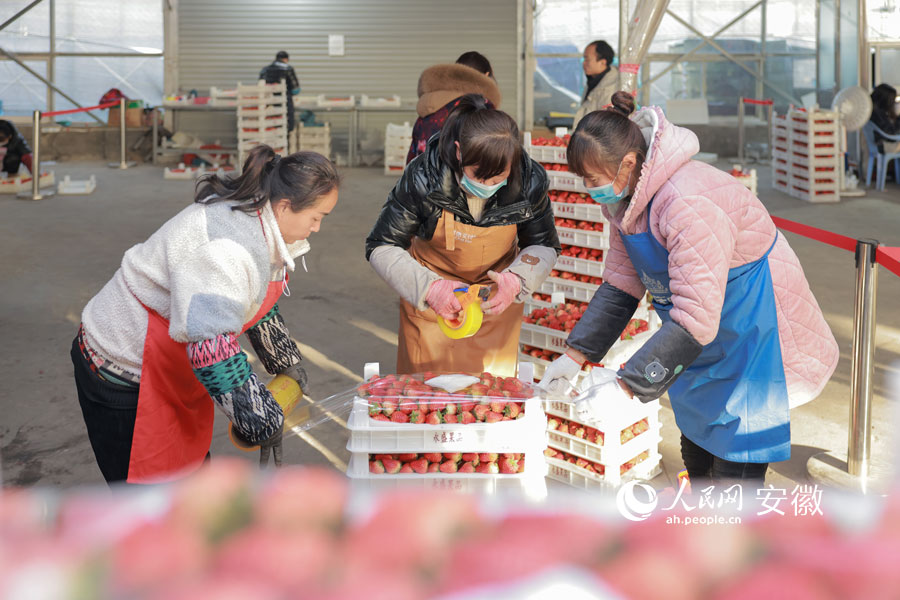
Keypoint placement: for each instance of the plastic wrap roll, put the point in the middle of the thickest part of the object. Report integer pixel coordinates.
(641, 29)
(287, 394)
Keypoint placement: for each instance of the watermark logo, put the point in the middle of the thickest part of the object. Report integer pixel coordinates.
(633, 508)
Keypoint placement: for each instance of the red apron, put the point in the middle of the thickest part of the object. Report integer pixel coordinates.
(175, 414)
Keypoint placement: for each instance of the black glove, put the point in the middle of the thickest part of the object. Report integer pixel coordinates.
(270, 445)
(603, 322)
(660, 361)
(298, 374)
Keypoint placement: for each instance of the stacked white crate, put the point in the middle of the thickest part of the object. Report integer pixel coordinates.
(312, 139)
(527, 436)
(781, 153)
(813, 159)
(397, 139)
(261, 118)
(612, 455)
(552, 339)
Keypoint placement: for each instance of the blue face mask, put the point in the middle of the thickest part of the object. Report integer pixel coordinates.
(479, 189)
(605, 194)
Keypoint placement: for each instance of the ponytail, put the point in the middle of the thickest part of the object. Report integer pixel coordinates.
(301, 177)
(488, 138)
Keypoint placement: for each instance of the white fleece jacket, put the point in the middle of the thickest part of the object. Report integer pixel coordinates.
(206, 271)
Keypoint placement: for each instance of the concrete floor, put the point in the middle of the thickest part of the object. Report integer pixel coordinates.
(60, 251)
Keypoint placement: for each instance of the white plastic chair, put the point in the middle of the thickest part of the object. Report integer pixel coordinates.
(876, 158)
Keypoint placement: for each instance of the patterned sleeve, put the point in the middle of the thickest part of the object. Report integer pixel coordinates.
(273, 344)
(222, 367)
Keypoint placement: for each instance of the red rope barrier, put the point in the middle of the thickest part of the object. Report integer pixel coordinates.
(889, 258)
(820, 235)
(77, 110)
(762, 102)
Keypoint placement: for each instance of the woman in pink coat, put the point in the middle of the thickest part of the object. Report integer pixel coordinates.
(743, 339)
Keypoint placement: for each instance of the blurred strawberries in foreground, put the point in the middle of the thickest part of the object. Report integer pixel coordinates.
(229, 532)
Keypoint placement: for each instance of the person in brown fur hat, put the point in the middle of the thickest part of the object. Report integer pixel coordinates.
(441, 87)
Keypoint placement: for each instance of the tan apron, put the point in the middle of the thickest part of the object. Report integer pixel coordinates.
(463, 253)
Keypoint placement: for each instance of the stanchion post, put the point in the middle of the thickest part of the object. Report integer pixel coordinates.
(122, 164)
(860, 442)
(35, 193)
(741, 131)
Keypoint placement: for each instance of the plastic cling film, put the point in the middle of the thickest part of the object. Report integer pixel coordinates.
(287, 394)
(470, 300)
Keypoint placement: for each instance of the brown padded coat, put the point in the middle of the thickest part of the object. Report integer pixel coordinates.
(440, 84)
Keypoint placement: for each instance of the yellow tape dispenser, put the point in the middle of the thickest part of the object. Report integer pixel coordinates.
(286, 392)
(470, 298)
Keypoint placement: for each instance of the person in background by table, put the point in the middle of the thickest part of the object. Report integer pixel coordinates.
(884, 117)
(440, 89)
(602, 79)
(14, 149)
(276, 72)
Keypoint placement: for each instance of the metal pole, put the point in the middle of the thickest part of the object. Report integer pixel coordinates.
(35, 193)
(860, 444)
(741, 131)
(122, 164)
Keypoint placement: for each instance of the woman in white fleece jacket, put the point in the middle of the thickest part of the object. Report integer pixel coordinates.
(158, 344)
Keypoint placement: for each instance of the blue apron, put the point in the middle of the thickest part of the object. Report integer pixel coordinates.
(732, 401)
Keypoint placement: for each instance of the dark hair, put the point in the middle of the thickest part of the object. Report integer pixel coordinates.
(487, 137)
(604, 137)
(603, 51)
(477, 61)
(7, 129)
(300, 177)
(884, 96)
(281, 55)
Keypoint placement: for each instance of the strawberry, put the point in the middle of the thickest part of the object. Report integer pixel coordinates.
(433, 457)
(497, 406)
(470, 457)
(579, 432)
(487, 457)
(450, 409)
(419, 465)
(374, 409)
(563, 427)
(467, 467)
(406, 406)
(521, 465)
(417, 417)
(388, 407)
(400, 417)
(481, 412)
(552, 424)
(434, 418)
(381, 418)
(492, 417)
(509, 466)
(466, 418)
(466, 405)
(434, 467)
(454, 456)
(512, 410)
(391, 465)
(451, 419)
(406, 468)
(580, 462)
(407, 457)
(449, 466)
(383, 456)
(489, 468)
(478, 389)
(376, 466)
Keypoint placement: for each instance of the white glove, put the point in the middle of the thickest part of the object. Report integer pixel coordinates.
(601, 390)
(560, 375)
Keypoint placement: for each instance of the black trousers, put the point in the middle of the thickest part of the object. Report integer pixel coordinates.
(702, 465)
(109, 412)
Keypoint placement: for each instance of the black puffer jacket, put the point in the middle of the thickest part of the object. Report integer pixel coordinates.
(428, 187)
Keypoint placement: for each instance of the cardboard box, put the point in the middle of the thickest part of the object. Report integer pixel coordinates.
(134, 114)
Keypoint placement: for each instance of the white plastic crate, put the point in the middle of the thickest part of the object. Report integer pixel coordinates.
(579, 212)
(828, 160)
(366, 100)
(259, 111)
(520, 435)
(560, 470)
(582, 266)
(565, 181)
(642, 312)
(358, 468)
(607, 454)
(544, 154)
(555, 341)
(69, 186)
(573, 290)
(619, 415)
(220, 97)
(22, 183)
(394, 170)
(181, 172)
(342, 100)
(586, 239)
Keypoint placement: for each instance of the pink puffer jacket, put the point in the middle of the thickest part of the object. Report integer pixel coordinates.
(709, 222)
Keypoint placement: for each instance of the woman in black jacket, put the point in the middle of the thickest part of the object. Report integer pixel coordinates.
(884, 100)
(473, 209)
(16, 149)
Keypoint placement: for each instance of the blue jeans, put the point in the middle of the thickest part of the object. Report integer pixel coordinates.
(703, 465)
